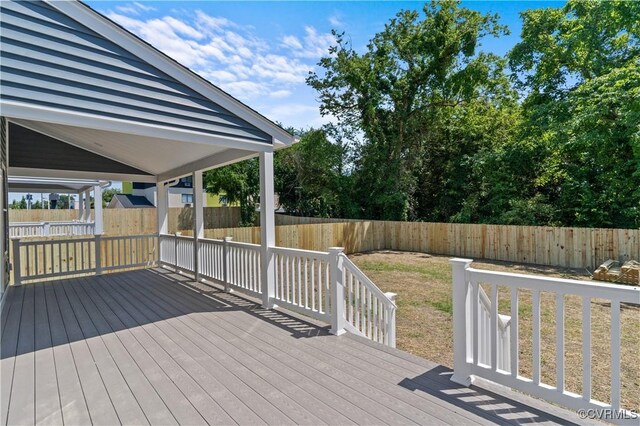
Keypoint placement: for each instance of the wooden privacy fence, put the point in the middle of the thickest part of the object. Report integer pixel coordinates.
(540, 245)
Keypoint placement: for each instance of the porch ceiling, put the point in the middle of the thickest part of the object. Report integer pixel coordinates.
(143, 157)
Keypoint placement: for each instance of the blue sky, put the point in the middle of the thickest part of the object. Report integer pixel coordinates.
(261, 52)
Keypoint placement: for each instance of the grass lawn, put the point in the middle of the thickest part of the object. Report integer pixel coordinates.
(425, 328)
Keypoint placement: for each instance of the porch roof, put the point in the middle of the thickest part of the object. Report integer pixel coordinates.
(76, 77)
(42, 185)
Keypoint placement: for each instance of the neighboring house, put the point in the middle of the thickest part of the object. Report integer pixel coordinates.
(128, 201)
(180, 194)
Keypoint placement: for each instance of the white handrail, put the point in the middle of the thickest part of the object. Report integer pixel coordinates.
(468, 343)
(368, 311)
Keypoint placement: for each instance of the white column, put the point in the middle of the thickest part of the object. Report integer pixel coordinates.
(461, 331)
(87, 205)
(162, 208)
(97, 210)
(267, 229)
(198, 220)
(80, 206)
(337, 291)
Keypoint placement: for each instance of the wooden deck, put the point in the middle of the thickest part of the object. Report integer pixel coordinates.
(147, 347)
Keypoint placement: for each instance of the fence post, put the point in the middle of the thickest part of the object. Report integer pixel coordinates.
(16, 261)
(225, 262)
(98, 254)
(47, 228)
(337, 291)
(391, 332)
(461, 332)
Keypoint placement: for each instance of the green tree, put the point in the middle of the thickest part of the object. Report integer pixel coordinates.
(108, 194)
(241, 184)
(578, 66)
(22, 204)
(310, 179)
(403, 93)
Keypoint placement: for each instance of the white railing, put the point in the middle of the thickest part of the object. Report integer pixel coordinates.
(47, 229)
(484, 330)
(303, 282)
(243, 266)
(184, 253)
(211, 260)
(368, 311)
(324, 286)
(36, 260)
(235, 265)
(468, 340)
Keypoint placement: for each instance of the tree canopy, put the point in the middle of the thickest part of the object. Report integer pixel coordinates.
(428, 126)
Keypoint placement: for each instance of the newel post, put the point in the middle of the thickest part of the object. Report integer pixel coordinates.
(46, 226)
(17, 280)
(392, 321)
(461, 325)
(225, 262)
(337, 291)
(98, 254)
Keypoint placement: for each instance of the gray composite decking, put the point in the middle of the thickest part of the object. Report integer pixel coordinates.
(150, 347)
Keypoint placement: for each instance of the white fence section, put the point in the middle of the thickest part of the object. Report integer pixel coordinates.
(50, 229)
(368, 311)
(302, 281)
(324, 286)
(469, 340)
(36, 260)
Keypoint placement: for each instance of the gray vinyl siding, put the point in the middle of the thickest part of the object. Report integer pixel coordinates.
(51, 60)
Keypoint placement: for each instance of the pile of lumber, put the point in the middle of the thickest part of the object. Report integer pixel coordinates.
(618, 272)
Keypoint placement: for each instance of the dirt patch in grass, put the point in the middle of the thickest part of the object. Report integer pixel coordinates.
(425, 328)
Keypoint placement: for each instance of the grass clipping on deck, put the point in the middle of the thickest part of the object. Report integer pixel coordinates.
(425, 327)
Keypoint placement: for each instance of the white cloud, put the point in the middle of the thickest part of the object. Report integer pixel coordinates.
(244, 89)
(279, 94)
(335, 21)
(182, 28)
(292, 42)
(268, 75)
(135, 8)
(314, 44)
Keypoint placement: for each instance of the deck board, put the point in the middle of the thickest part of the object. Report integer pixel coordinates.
(72, 400)
(48, 410)
(23, 392)
(99, 403)
(151, 347)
